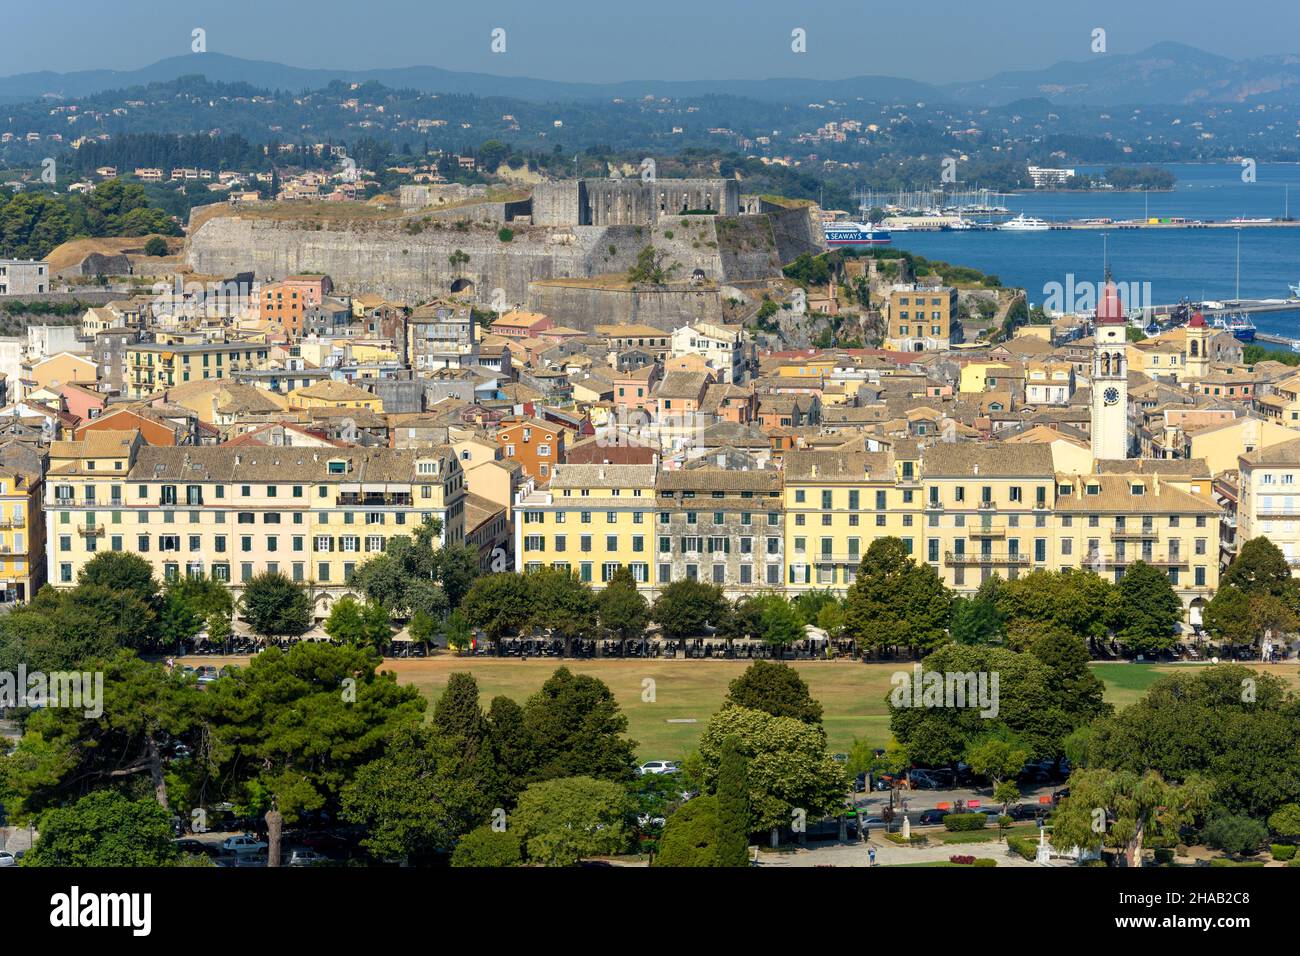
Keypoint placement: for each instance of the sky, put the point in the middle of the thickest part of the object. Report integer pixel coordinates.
(934, 41)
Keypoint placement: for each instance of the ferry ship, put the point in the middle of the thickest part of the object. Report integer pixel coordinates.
(1023, 223)
(855, 234)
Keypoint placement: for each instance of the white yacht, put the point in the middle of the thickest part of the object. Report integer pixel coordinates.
(1023, 223)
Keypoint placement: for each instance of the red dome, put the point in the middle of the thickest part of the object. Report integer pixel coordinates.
(1111, 310)
(1197, 322)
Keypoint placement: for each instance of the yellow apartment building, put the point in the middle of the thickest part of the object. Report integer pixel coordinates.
(837, 503)
(335, 394)
(151, 367)
(988, 510)
(589, 519)
(1268, 497)
(22, 533)
(313, 514)
(1107, 522)
(921, 319)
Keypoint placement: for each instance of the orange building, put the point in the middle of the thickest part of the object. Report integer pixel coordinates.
(538, 446)
(284, 302)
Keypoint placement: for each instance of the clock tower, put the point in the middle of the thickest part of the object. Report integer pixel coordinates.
(1110, 377)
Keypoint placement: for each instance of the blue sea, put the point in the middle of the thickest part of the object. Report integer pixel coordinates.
(1192, 263)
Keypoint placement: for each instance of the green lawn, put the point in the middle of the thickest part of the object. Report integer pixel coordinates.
(853, 695)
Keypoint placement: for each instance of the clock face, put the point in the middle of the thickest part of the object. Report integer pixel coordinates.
(1111, 396)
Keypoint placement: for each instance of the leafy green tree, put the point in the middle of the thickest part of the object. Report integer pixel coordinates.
(776, 689)
(939, 734)
(1147, 610)
(275, 606)
(733, 823)
(810, 604)
(779, 624)
(560, 822)
(787, 765)
(104, 828)
(998, 755)
(411, 800)
(155, 246)
(121, 571)
(975, 621)
(575, 728)
(684, 607)
(1234, 726)
(1227, 617)
(459, 633)
(291, 729)
(691, 835)
(501, 605)
(1078, 600)
(1131, 804)
(66, 752)
(423, 628)
(345, 624)
(895, 602)
(485, 847)
(1260, 566)
(621, 608)
(561, 603)
(57, 630)
(1078, 694)
(512, 747)
(1285, 822)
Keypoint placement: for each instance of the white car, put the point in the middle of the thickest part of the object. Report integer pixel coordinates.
(7, 859)
(660, 766)
(243, 845)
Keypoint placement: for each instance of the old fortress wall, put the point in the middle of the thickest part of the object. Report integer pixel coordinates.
(410, 258)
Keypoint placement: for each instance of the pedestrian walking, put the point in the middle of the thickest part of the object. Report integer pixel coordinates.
(871, 852)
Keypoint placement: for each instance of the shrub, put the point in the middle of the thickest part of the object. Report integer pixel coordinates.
(917, 839)
(504, 234)
(690, 837)
(485, 847)
(965, 821)
(1023, 846)
(985, 861)
(1164, 857)
(1235, 834)
(961, 860)
(1283, 851)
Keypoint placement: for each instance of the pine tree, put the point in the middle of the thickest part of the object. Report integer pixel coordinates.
(733, 806)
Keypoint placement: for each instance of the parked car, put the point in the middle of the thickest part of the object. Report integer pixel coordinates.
(929, 818)
(243, 845)
(7, 859)
(304, 857)
(192, 846)
(860, 783)
(659, 766)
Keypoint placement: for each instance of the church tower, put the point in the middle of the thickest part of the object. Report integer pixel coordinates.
(1197, 357)
(1110, 377)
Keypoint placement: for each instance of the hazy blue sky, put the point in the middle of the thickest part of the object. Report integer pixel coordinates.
(930, 40)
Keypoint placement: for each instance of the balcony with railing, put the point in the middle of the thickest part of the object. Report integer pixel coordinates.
(1133, 534)
(90, 530)
(985, 558)
(988, 529)
(349, 499)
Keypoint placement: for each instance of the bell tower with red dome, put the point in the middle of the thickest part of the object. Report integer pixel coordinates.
(1110, 439)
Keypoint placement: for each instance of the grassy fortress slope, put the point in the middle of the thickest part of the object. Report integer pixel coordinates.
(476, 246)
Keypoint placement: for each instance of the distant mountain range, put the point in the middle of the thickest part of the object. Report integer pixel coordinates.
(1167, 73)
